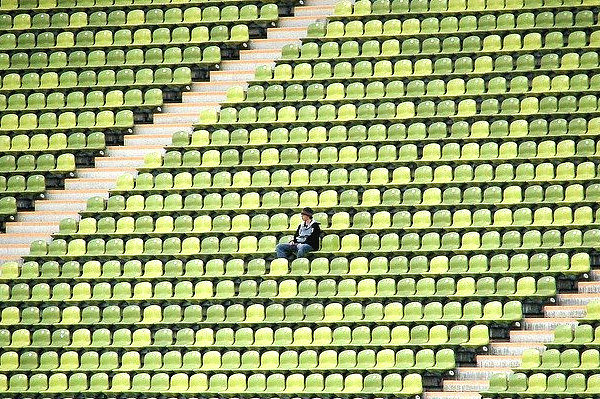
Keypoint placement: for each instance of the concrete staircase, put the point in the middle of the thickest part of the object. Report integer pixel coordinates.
(501, 357)
(44, 220)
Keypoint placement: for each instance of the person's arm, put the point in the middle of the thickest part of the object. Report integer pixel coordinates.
(313, 238)
(293, 240)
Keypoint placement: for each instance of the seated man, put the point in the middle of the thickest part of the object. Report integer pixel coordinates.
(305, 240)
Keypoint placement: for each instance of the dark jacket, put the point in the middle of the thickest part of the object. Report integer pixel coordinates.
(310, 234)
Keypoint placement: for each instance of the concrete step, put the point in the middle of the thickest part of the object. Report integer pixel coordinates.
(191, 117)
(319, 3)
(44, 216)
(214, 97)
(286, 33)
(22, 238)
(564, 311)
(31, 228)
(301, 21)
(126, 162)
(512, 348)
(273, 44)
(499, 361)
(11, 258)
(60, 205)
(190, 106)
(531, 337)
(152, 128)
(243, 65)
(103, 173)
(314, 11)
(90, 184)
(451, 395)
(140, 151)
(479, 373)
(139, 140)
(72, 195)
(13, 251)
(576, 299)
(537, 324)
(188, 118)
(589, 287)
(264, 54)
(465, 386)
(231, 76)
(216, 86)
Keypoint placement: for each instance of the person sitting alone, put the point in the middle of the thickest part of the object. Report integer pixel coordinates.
(305, 240)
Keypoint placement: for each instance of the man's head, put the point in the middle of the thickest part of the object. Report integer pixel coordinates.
(307, 214)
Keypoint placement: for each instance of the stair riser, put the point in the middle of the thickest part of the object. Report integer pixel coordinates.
(101, 174)
(196, 97)
(8, 251)
(542, 336)
(451, 395)
(320, 3)
(475, 374)
(229, 76)
(271, 44)
(245, 65)
(18, 228)
(11, 258)
(196, 106)
(131, 152)
(133, 141)
(510, 350)
(62, 206)
(213, 86)
(580, 300)
(32, 236)
(77, 195)
(167, 119)
(89, 185)
(129, 163)
(491, 361)
(561, 312)
(297, 22)
(542, 326)
(311, 12)
(590, 288)
(286, 33)
(153, 129)
(465, 386)
(250, 55)
(35, 217)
